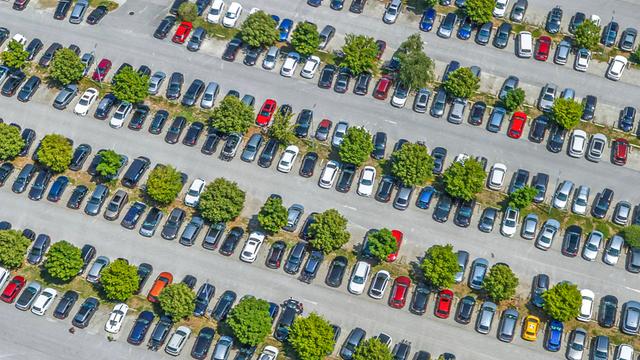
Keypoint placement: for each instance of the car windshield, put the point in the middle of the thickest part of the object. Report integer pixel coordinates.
(358, 279)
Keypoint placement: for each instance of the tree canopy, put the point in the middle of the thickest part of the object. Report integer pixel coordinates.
(416, 68)
(514, 99)
(55, 152)
(356, 146)
(566, 112)
(130, 85)
(13, 248)
(164, 184)
(64, 261)
(281, 128)
(461, 83)
(221, 201)
(232, 115)
(119, 280)
(522, 197)
(259, 30)
(464, 180)
(177, 300)
(250, 321)
(273, 215)
(372, 349)
(11, 142)
(562, 302)
(311, 337)
(440, 265)
(360, 54)
(109, 164)
(66, 67)
(14, 56)
(480, 11)
(500, 283)
(305, 38)
(381, 244)
(412, 164)
(631, 235)
(329, 231)
(587, 35)
(188, 11)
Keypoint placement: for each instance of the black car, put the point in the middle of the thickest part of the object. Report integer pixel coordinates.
(519, 180)
(174, 88)
(303, 123)
(105, 106)
(173, 224)
(361, 86)
(276, 253)
(34, 48)
(232, 49)
(12, 83)
(160, 333)
(305, 233)
(443, 208)
(190, 281)
(164, 27)
(175, 130)
(6, 169)
(24, 178)
(133, 215)
(203, 297)
(211, 141)
(29, 88)
(538, 129)
(203, 343)
(501, 38)
(291, 309)
(571, 241)
(138, 117)
(357, 6)
(465, 309)
(40, 184)
(46, 58)
(602, 203)
(78, 194)
(224, 305)
(553, 20)
(140, 328)
(87, 253)
(62, 9)
(251, 55)
(342, 81)
(464, 213)
(28, 135)
(576, 20)
(79, 157)
(326, 76)
(193, 133)
(158, 121)
(608, 311)
(439, 154)
(97, 14)
(476, 114)
(193, 92)
(556, 139)
(144, 271)
(627, 118)
(589, 104)
(85, 313)
(346, 177)
(308, 164)
(356, 336)
(610, 33)
(385, 188)
(310, 269)
(268, 153)
(337, 270)
(379, 145)
(420, 300)
(213, 236)
(295, 258)
(231, 241)
(65, 305)
(151, 222)
(175, 6)
(58, 188)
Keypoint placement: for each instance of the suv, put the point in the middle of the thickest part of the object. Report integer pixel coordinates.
(135, 172)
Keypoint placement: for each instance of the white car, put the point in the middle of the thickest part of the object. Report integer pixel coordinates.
(624, 352)
(20, 39)
(509, 222)
(616, 67)
(116, 318)
(547, 234)
(269, 353)
(583, 57)
(288, 158)
(578, 143)
(123, 110)
(497, 175)
(586, 308)
(177, 341)
(581, 200)
(461, 158)
(4, 276)
(310, 67)
(561, 196)
(193, 194)
(290, 63)
(215, 12)
(367, 179)
(254, 10)
(44, 301)
(359, 277)
(232, 15)
(252, 246)
(83, 105)
(329, 174)
(501, 8)
(592, 246)
(613, 250)
(595, 19)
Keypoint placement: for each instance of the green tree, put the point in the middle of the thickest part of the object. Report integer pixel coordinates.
(381, 244)
(329, 231)
(360, 54)
(305, 38)
(259, 30)
(14, 56)
(11, 142)
(464, 180)
(480, 11)
(566, 112)
(221, 201)
(429, 3)
(413, 43)
(187, 11)
(372, 349)
(232, 115)
(412, 164)
(130, 86)
(250, 321)
(281, 128)
(522, 197)
(416, 69)
(500, 283)
(440, 265)
(64, 261)
(461, 83)
(273, 215)
(119, 280)
(356, 146)
(66, 67)
(562, 302)
(587, 35)
(514, 99)
(631, 235)
(311, 337)
(55, 152)
(177, 301)
(109, 164)
(164, 184)
(13, 248)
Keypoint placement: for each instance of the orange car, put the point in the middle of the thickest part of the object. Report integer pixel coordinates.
(161, 282)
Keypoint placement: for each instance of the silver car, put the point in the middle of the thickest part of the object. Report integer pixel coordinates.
(392, 12)
(93, 276)
(485, 317)
(576, 344)
(613, 250)
(456, 111)
(222, 348)
(508, 322)
(463, 259)
(592, 245)
(209, 95)
(421, 100)
(479, 269)
(338, 133)
(529, 226)
(547, 233)
(562, 52)
(547, 97)
(155, 81)
(271, 58)
(581, 200)
(597, 146)
(561, 197)
(622, 213)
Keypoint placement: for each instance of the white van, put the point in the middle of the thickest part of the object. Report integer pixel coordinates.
(524, 44)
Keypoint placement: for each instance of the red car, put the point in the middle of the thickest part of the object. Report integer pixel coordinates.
(443, 303)
(13, 289)
(164, 279)
(399, 293)
(381, 46)
(101, 70)
(620, 151)
(266, 112)
(382, 88)
(517, 125)
(182, 32)
(542, 48)
(397, 234)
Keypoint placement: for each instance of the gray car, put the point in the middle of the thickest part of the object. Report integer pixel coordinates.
(529, 226)
(509, 84)
(622, 213)
(630, 320)
(222, 348)
(597, 147)
(600, 348)
(65, 96)
(294, 214)
(326, 35)
(116, 205)
(191, 231)
(547, 97)
(485, 317)
(271, 58)
(496, 119)
(155, 81)
(479, 269)
(488, 219)
(446, 26)
(456, 111)
(421, 100)
(197, 37)
(93, 276)
(576, 344)
(519, 10)
(438, 104)
(77, 14)
(547, 234)
(28, 296)
(403, 197)
(98, 197)
(338, 133)
(463, 259)
(592, 245)
(508, 322)
(209, 95)
(562, 52)
(251, 149)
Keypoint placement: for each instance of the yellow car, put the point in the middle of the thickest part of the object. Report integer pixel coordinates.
(530, 328)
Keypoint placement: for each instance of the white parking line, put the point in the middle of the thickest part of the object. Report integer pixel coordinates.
(632, 289)
(350, 207)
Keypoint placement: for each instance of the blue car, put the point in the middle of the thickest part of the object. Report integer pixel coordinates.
(428, 18)
(314, 3)
(554, 336)
(424, 199)
(274, 310)
(464, 31)
(276, 18)
(337, 4)
(201, 5)
(58, 187)
(285, 29)
(140, 328)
